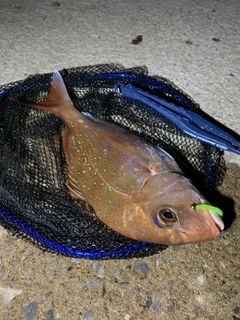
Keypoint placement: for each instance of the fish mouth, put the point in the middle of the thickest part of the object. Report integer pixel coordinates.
(214, 212)
(218, 221)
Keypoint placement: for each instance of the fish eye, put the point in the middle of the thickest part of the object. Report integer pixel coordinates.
(167, 216)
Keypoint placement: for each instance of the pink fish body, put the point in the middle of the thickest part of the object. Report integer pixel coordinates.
(136, 189)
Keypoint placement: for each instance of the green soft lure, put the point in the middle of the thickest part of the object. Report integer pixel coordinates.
(210, 208)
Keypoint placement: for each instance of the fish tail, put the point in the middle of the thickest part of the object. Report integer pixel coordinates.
(58, 98)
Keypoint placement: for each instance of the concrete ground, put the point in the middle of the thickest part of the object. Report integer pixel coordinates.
(196, 44)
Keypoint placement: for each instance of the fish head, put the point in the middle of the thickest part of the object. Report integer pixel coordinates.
(171, 211)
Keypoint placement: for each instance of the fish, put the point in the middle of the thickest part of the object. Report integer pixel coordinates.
(135, 188)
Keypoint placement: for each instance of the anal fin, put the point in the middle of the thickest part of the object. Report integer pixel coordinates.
(73, 186)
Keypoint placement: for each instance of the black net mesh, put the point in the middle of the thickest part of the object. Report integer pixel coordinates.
(34, 202)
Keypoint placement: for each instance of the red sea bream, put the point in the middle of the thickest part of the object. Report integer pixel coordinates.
(135, 188)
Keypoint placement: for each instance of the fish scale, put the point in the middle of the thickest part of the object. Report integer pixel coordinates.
(109, 169)
(93, 169)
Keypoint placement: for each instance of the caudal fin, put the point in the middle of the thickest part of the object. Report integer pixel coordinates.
(58, 98)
